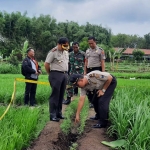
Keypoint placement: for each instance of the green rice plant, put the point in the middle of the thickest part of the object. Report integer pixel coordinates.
(7, 85)
(83, 117)
(69, 113)
(21, 125)
(8, 68)
(138, 83)
(140, 127)
(74, 146)
(143, 75)
(69, 124)
(129, 115)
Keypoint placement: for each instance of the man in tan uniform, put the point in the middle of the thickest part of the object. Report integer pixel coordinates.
(56, 65)
(102, 84)
(94, 58)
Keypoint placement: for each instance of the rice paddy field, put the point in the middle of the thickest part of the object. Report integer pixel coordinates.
(129, 112)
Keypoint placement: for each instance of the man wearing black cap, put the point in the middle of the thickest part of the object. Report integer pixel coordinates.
(56, 65)
(31, 71)
(103, 85)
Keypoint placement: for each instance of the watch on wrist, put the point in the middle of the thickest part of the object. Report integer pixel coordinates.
(103, 90)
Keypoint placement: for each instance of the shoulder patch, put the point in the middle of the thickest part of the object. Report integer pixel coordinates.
(102, 76)
(54, 49)
(100, 48)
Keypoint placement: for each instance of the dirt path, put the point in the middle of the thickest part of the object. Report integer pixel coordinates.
(90, 140)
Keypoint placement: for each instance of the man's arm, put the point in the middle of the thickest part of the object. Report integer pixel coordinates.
(103, 65)
(47, 67)
(85, 66)
(80, 105)
(106, 85)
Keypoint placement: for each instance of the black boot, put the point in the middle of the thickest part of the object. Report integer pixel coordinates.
(68, 101)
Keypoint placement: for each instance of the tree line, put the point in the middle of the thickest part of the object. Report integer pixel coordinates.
(43, 32)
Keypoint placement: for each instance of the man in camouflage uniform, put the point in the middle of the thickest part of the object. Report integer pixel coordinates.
(76, 61)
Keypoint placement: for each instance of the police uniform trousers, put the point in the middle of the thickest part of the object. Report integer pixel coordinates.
(58, 81)
(30, 92)
(101, 104)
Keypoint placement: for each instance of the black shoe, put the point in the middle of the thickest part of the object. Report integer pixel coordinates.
(99, 126)
(66, 102)
(94, 118)
(55, 119)
(91, 105)
(61, 117)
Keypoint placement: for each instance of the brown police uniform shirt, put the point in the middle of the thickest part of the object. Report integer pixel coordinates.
(58, 60)
(94, 57)
(96, 81)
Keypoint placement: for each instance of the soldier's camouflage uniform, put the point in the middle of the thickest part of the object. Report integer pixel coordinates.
(76, 61)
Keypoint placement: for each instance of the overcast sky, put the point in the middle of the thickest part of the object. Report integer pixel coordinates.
(121, 16)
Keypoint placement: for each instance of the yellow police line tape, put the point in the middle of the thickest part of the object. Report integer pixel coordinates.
(14, 92)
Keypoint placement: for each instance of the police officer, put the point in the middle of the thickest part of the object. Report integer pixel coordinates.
(103, 85)
(94, 60)
(76, 61)
(56, 65)
(31, 71)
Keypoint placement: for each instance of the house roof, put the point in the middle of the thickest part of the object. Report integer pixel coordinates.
(129, 51)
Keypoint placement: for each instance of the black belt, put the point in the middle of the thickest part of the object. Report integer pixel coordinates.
(58, 71)
(94, 67)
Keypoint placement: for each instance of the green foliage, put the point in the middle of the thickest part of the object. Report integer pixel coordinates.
(84, 44)
(24, 49)
(12, 59)
(147, 40)
(132, 75)
(9, 69)
(43, 32)
(21, 123)
(74, 146)
(138, 54)
(129, 114)
(7, 87)
(124, 41)
(68, 124)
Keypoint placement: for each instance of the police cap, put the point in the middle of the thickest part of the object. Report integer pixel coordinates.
(74, 78)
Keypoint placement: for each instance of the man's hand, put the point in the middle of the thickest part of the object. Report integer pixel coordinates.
(77, 119)
(80, 105)
(47, 67)
(36, 73)
(39, 71)
(100, 93)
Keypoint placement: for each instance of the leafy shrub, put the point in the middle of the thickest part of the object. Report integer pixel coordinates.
(9, 68)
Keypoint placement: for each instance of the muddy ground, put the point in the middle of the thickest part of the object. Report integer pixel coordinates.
(51, 138)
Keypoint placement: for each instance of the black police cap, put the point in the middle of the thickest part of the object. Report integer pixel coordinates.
(75, 77)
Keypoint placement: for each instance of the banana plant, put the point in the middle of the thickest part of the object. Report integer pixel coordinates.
(112, 55)
(23, 51)
(118, 55)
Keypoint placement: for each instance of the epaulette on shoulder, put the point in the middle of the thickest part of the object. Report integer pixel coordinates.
(54, 49)
(94, 75)
(100, 48)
